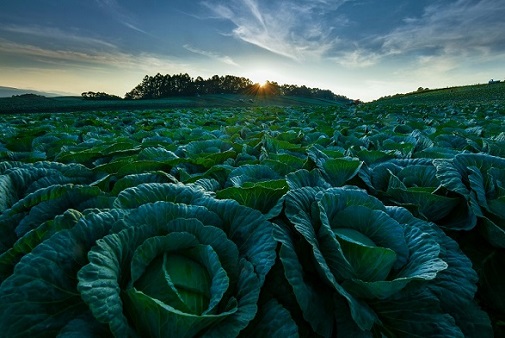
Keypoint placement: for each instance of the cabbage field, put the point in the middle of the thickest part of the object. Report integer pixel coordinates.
(373, 220)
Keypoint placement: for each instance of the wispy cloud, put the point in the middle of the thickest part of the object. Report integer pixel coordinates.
(58, 36)
(462, 27)
(293, 29)
(54, 48)
(445, 36)
(135, 28)
(120, 15)
(222, 58)
(40, 56)
(49, 56)
(356, 58)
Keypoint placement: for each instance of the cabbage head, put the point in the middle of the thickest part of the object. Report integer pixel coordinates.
(413, 184)
(480, 179)
(167, 260)
(358, 268)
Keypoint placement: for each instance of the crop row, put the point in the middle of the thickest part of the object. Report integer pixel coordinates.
(309, 221)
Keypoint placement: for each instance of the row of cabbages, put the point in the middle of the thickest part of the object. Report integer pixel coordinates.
(260, 223)
(172, 259)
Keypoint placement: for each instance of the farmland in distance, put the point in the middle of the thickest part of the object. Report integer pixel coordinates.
(437, 155)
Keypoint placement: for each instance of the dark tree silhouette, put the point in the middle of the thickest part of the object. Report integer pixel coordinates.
(162, 86)
(99, 96)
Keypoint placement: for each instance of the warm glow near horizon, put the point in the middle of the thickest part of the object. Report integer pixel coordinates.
(261, 76)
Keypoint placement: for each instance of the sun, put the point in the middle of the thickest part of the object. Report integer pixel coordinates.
(260, 76)
(263, 81)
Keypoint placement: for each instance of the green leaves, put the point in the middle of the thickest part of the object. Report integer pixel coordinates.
(255, 186)
(41, 206)
(162, 221)
(372, 256)
(414, 184)
(50, 300)
(177, 258)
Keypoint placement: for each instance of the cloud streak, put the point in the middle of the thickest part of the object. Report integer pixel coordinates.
(58, 36)
(461, 27)
(80, 59)
(459, 30)
(222, 58)
(54, 47)
(120, 15)
(293, 29)
(356, 58)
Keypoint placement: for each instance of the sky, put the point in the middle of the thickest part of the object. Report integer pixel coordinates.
(358, 48)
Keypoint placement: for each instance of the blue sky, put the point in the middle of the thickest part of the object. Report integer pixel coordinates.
(362, 49)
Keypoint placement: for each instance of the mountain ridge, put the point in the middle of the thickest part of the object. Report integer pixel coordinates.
(10, 91)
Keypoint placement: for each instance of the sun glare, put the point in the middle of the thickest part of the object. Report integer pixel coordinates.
(260, 76)
(262, 81)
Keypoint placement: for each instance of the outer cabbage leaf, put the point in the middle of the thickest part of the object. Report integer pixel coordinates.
(151, 192)
(284, 163)
(21, 179)
(304, 178)
(34, 237)
(8, 194)
(251, 174)
(262, 196)
(311, 293)
(50, 300)
(456, 285)
(336, 171)
(40, 206)
(273, 320)
(84, 326)
(129, 181)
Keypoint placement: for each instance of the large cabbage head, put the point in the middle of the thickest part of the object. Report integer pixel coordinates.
(358, 268)
(168, 260)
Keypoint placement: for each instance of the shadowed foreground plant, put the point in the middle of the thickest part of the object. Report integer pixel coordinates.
(360, 269)
(167, 260)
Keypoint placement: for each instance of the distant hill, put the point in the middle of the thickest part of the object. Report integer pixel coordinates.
(37, 104)
(9, 91)
(492, 92)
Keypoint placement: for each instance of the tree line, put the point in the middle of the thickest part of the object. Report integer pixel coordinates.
(163, 86)
(99, 96)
